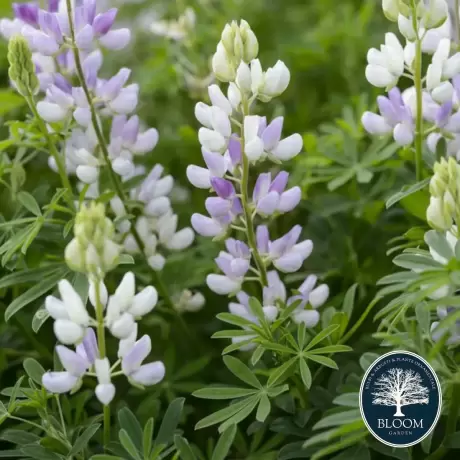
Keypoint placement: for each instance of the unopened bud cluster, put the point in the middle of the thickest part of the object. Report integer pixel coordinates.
(22, 68)
(431, 14)
(444, 211)
(238, 43)
(92, 250)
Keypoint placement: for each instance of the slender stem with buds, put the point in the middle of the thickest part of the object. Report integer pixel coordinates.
(159, 284)
(249, 223)
(419, 96)
(52, 150)
(102, 351)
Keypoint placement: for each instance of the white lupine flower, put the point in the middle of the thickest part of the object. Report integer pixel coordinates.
(406, 27)
(269, 84)
(105, 390)
(254, 146)
(442, 66)
(218, 99)
(386, 65)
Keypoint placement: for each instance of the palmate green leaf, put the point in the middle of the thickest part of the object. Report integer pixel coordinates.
(349, 300)
(330, 349)
(228, 334)
(416, 262)
(281, 373)
(14, 394)
(226, 413)
(324, 360)
(35, 230)
(40, 317)
(34, 370)
(184, 449)
(438, 242)
(234, 319)
(169, 423)
(19, 437)
(406, 191)
(217, 392)
(339, 445)
(224, 444)
(129, 445)
(38, 452)
(147, 437)
(321, 336)
(131, 425)
(263, 410)
(339, 418)
(273, 392)
(305, 373)
(341, 319)
(241, 415)
(240, 370)
(106, 457)
(347, 399)
(334, 433)
(301, 335)
(32, 294)
(29, 202)
(32, 275)
(83, 440)
(236, 346)
(257, 355)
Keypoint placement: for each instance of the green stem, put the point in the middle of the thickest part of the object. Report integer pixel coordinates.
(61, 415)
(159, 284)
(102, 351)
(419, 98)
(52, 150)
(249, 223)
(452, 419)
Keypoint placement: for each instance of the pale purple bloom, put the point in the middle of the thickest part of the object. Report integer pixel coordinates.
(286, 254)
(309, 296)
(76, 364)
(142, 374)
(396, 117)
(270, 196)
(210, 226)
(26, 12)
(234, 264)
(225, 203)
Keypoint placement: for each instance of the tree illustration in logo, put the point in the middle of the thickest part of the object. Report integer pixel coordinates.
(400, 387)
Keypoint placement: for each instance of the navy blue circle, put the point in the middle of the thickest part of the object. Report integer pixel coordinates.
(400, 399)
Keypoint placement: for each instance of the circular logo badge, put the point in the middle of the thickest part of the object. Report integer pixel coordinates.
(400, 399)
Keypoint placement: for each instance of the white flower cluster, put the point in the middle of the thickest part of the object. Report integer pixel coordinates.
(73, 326)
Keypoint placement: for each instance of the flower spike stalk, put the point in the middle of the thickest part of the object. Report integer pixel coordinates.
(234, 141)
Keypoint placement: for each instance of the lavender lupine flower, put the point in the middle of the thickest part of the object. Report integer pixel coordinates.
(76, 364)
(234, 264)
(157, 226)
(285, 253)
(396, 117)
(309, 296)
(270, 196)
(138, 373)
(50, 29)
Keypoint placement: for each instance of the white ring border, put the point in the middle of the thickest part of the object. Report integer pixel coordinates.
(435, 422)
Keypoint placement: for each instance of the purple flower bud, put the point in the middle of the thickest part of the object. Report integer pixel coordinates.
(443, 114)
(72, 361)
(268, 204)
(134, 358)
(261, 186)
(112, 87)
(272, 133)
(27, 12)
(215, 163)
(222, 187)
(103, 22)
(53, 6)
(237, 248)
(279, 182)
(88, 348)
(262, 238)
(234, 150)
(130, 130)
